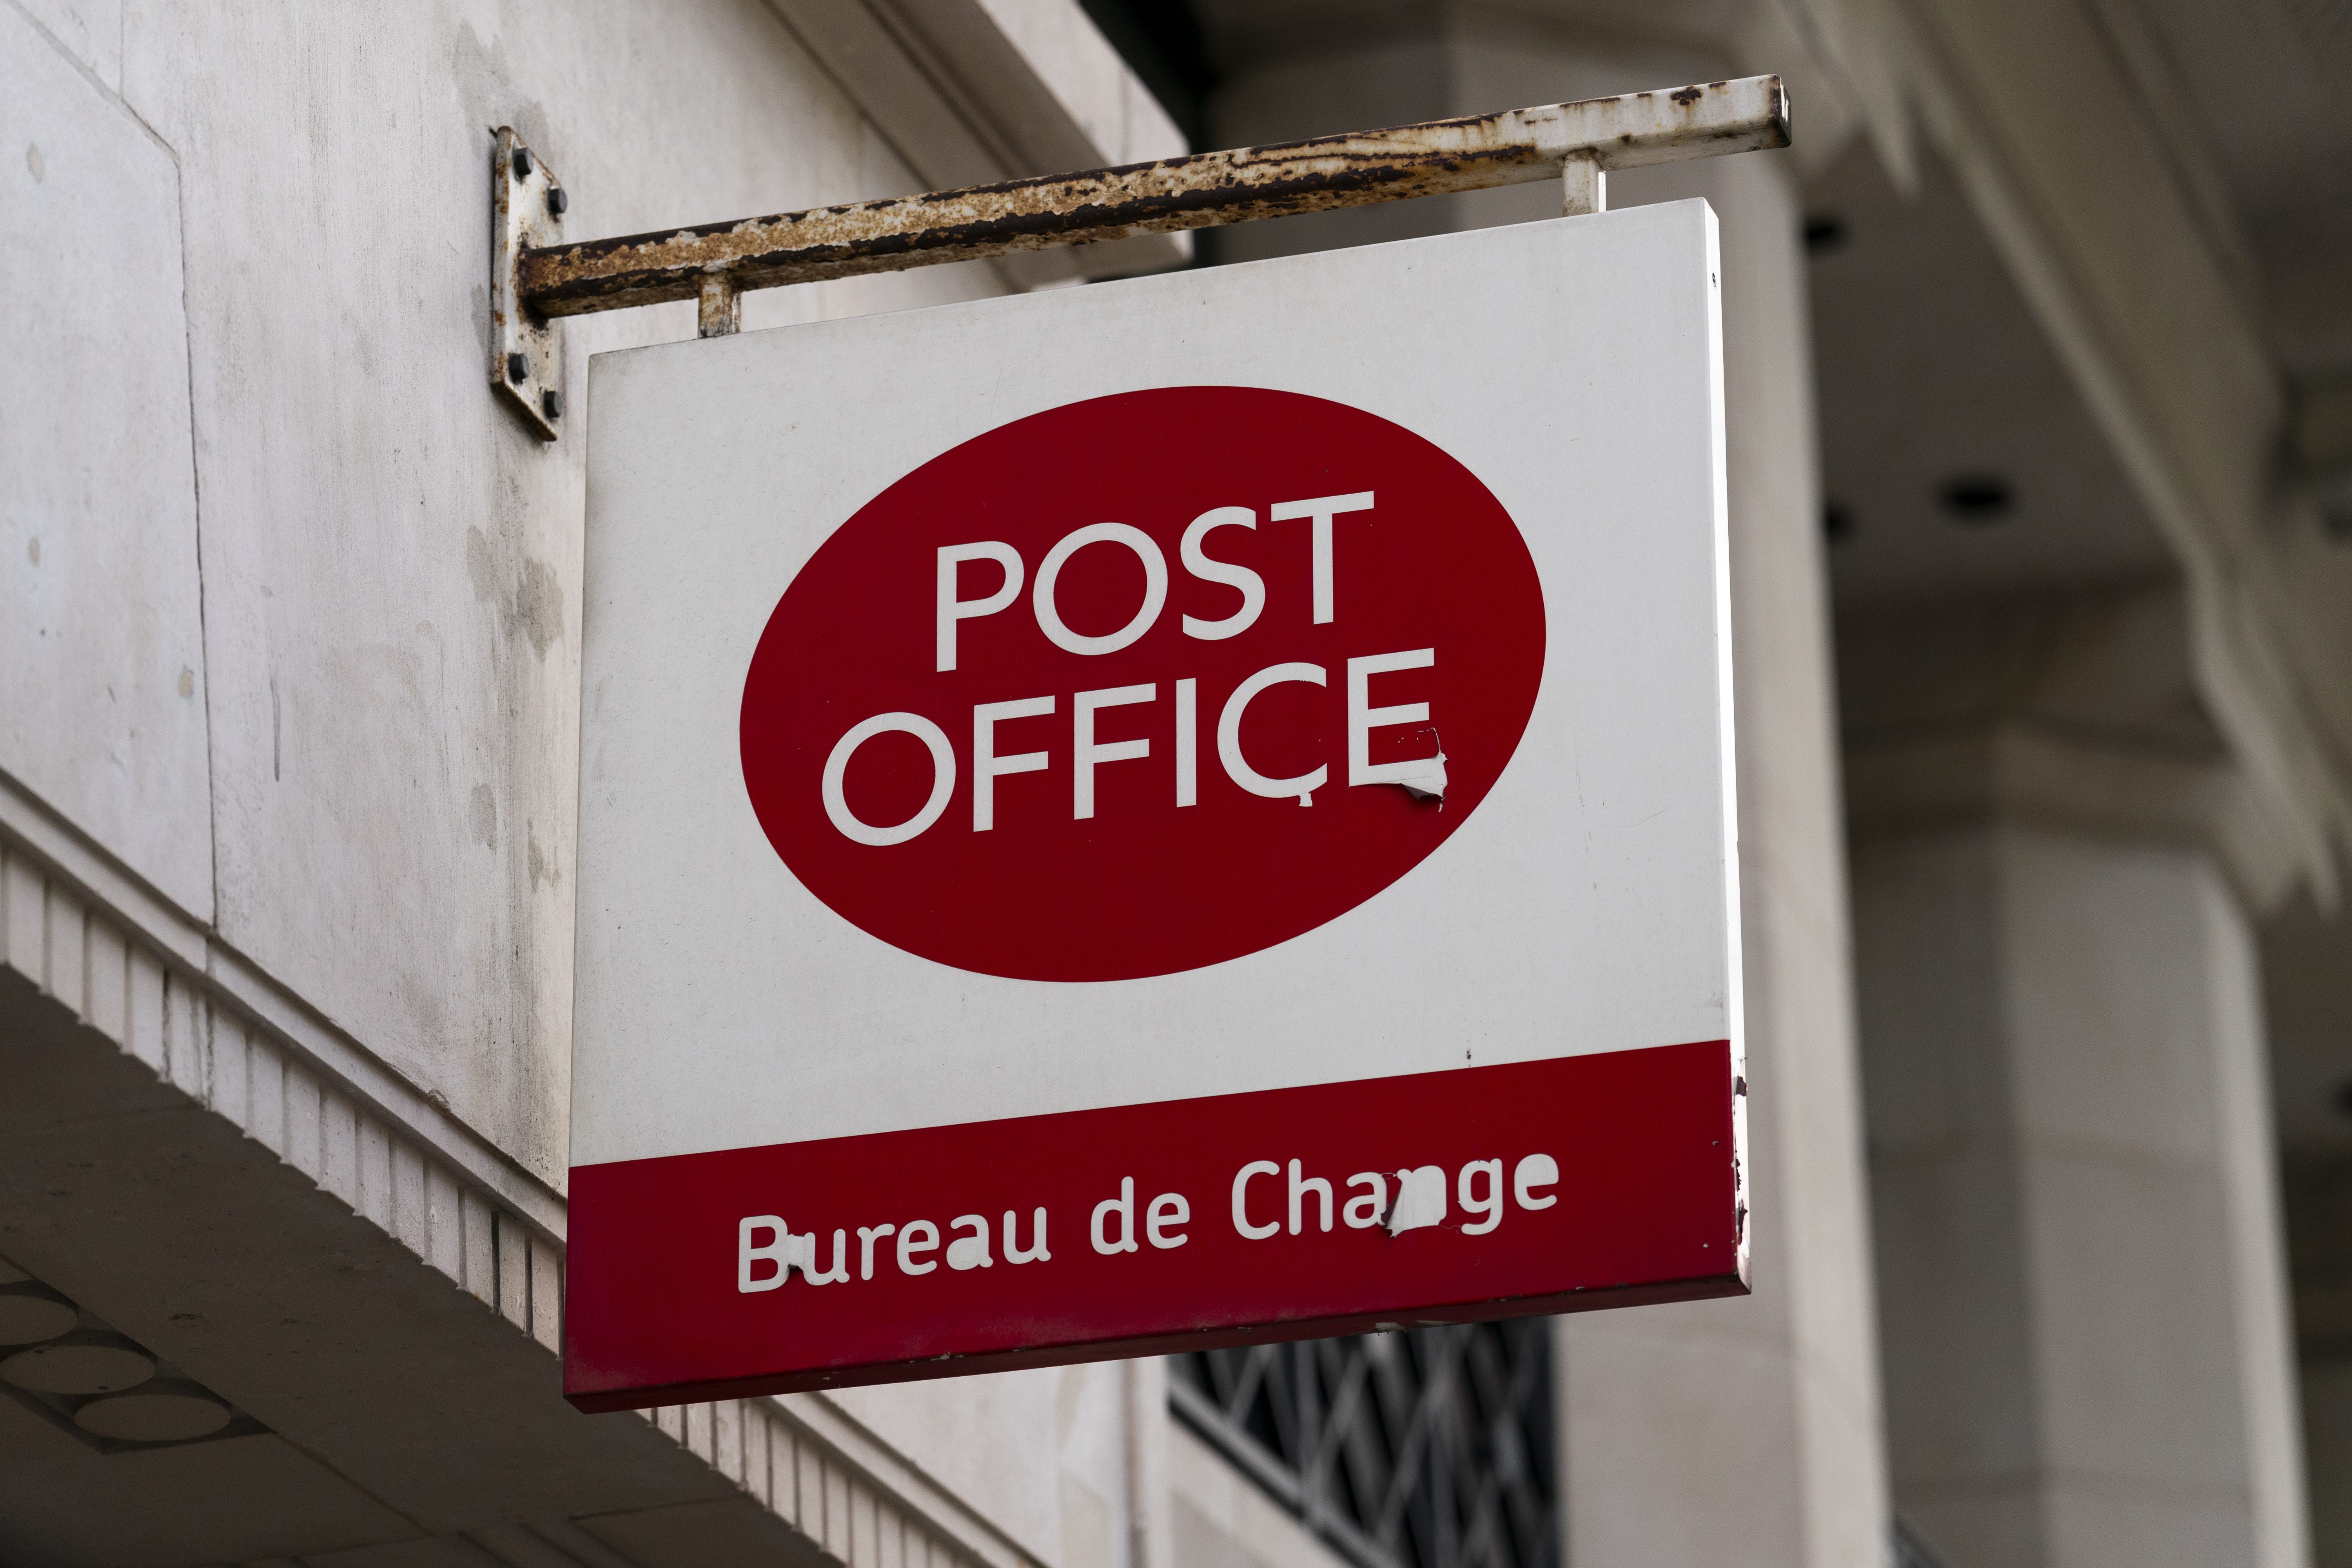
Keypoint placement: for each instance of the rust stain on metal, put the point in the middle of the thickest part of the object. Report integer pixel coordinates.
(526, 362)
(1198, 191)
(720, 310)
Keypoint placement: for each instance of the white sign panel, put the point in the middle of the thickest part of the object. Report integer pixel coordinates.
(1162, 812)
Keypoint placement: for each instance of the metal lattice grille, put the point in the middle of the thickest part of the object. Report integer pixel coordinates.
(1431, 1449)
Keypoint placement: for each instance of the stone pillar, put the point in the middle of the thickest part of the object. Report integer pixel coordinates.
(1737, 1431)
(1749, 1431)
(2081, 1274)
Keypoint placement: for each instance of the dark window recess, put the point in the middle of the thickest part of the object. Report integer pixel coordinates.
(1426, 1449)
(1162, 43)
(1978, 498)
(1431, 1448)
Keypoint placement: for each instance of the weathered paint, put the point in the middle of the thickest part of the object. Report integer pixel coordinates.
(1047, 988)
(527, 204)
(1199, 191)
(719, 308)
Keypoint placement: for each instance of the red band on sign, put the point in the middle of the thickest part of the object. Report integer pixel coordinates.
(1143, 683)
(1594, 1181)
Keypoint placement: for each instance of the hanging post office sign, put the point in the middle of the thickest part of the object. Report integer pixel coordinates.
(1161, 815)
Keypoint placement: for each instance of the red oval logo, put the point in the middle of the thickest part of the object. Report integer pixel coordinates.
(1143, 683)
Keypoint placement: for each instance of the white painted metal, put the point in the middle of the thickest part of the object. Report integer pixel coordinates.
(1584, 186)
(1590, 904)
(527, 204)
(1241, 185)
(1753, 1426)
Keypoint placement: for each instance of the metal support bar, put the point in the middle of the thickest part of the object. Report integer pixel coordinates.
(719, 307)
(1584, 186)
(1194, 192)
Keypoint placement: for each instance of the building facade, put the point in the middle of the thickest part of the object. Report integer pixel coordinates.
(2039, 369)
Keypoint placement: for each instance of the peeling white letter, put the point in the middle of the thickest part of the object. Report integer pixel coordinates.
(909, 1246)
(1167, 1209)
(1322, 510)
(836, 767)
(1240, 1199)
(1488, 1203)
(969, 1251)
(838, 1274)
(953, 609)
(1299, 1191)
(1123, 1207)
(1229, 736)
(866, 1236)
(1196, 561)
(1535, 1171)
(1188, 743)
(1420, 1200)
(1424, 776)
(1012, 1252)
(987, 767)
(775, 1250)
(1086, 752)
(1049, 572)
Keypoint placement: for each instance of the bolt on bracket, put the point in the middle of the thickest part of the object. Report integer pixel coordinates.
(527, 205)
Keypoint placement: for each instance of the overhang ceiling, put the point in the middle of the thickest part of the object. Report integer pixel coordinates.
(2262, 91)
(1932, 375)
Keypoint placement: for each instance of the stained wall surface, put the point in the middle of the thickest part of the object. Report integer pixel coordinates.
(306, 596)
(293, 600)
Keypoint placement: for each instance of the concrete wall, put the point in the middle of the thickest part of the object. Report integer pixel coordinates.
(1713, 1431)
(1220, 1518)
(2076, 1206)
(289, 603)
(344, 721)
(1049, 1456)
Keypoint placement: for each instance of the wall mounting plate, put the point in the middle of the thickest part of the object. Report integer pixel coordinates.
(527, 205)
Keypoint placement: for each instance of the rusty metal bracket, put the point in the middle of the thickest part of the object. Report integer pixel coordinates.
(527, 205)
(1576, 143)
